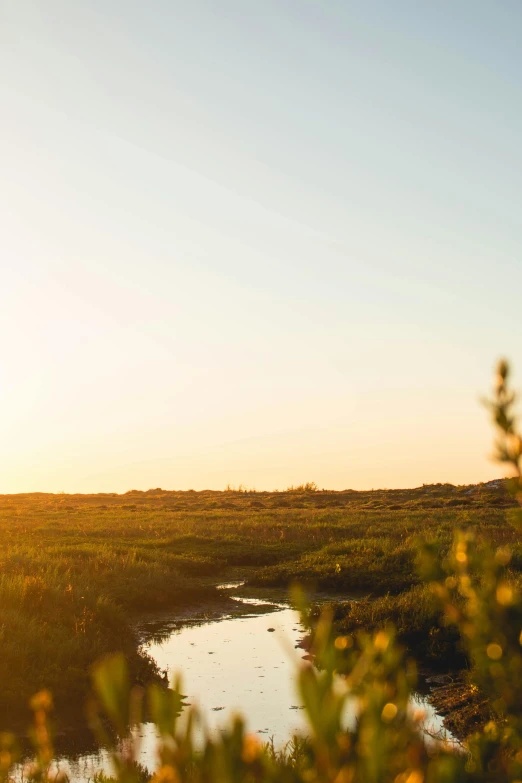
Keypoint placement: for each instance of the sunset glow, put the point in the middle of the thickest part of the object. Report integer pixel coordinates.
(252, 243)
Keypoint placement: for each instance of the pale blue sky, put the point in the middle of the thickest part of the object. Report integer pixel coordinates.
(255, 242)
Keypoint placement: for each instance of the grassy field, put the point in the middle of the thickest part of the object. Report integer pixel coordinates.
(75, 568)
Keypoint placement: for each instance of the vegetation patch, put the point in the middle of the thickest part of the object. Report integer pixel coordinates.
(75, 569)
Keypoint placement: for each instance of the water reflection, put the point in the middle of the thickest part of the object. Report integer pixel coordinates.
(240, 658)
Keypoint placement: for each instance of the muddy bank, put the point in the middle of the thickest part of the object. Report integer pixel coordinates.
(462, 707)
(156, 626)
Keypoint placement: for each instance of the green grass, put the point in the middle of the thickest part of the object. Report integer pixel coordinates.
(74, 569)
(416, 616)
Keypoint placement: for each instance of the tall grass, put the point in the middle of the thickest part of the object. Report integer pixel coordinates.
(75, 569)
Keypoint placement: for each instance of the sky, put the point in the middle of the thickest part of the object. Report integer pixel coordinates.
(256, 242)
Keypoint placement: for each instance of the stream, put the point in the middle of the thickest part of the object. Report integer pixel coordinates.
(240, 659)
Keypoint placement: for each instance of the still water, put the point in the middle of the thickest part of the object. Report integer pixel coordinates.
(240, 661)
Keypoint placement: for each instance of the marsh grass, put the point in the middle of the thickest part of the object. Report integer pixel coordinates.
(75, 569)
(418, 620)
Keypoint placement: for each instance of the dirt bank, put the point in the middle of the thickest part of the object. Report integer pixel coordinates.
(462, 706)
